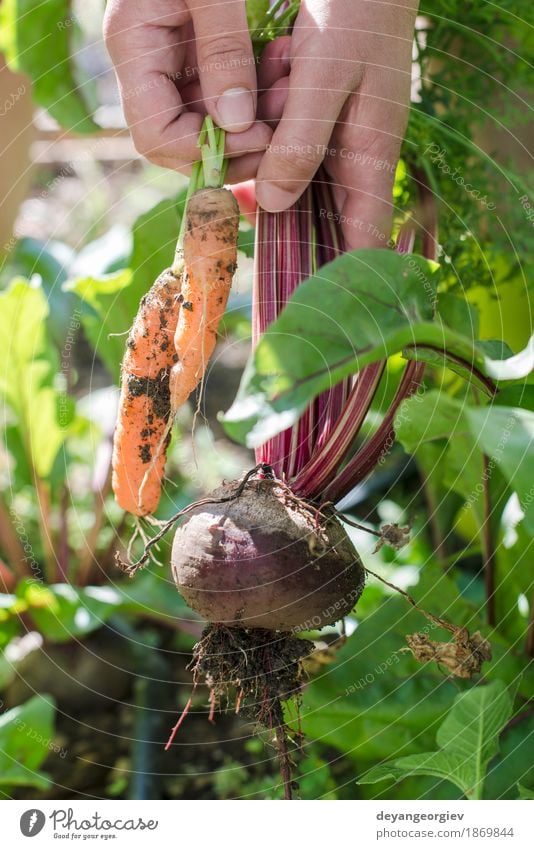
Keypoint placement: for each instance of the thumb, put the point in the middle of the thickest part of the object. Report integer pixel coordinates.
(226, 64)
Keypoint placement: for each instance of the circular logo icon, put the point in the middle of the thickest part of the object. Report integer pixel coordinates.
(32, 822)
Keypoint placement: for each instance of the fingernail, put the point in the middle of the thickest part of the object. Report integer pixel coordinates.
(235, 109)
(274, 199)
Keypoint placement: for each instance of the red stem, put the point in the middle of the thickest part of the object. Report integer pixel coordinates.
(338, 437)
(379, 444)
(289, 247)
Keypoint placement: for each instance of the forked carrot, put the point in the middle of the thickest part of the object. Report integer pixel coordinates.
(144, 405)
(174, 333)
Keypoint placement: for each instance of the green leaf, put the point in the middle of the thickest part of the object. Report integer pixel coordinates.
(61, 611)
(362, 307)
(506, 435)
(27, 368)
(50, 261)
(153, 596)
(524, 792)
(462, 366)
(442, 765)
(256, 11)
(26, 738)
(36, 40)
(457, 312)
(514, 763)
(109, 305)
(468, 739)
(513, 578)
(517, 395)
(45, 432)
(436, 419)
(377, 699)
(245, 241)
(428, 417)
(154, 240)
(23, 312)
(112, 300)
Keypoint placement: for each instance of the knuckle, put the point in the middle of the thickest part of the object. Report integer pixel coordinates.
(295, 161)
(117, 24)
(225, 51)
(144, 144)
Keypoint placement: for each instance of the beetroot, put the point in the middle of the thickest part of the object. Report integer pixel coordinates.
(265, 559)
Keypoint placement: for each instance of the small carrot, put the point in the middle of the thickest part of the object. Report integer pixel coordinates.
(144, 405)
(209, 257)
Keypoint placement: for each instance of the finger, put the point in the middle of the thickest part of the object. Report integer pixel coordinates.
(243, 168)
(248, 146)
(274, 62)
(192, 98)
(271, 105)
(317, 91)
(367, 151)
(146, 58)
(366, 217)
(154, 133)
(226, 65)
(255, 140)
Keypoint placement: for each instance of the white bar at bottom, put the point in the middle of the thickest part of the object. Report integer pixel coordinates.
(357, 824)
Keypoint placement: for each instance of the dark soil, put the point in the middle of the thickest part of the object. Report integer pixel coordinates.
(259, 670)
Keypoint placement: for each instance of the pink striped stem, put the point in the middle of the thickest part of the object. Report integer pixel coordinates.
(283, 259)
(370, 455)
(291, 246)
(319, 472)
(378, 445)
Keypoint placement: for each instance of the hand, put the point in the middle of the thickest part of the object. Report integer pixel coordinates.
(338, 90)
(177, 60)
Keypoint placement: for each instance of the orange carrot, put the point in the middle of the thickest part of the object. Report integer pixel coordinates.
(143, 432)
(175, 331)
(209, 262)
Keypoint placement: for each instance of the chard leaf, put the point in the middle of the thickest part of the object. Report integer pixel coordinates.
(504, 434)
(362, 307)
(26, 737)
(468, 739)
(28, 365)
(36, 39)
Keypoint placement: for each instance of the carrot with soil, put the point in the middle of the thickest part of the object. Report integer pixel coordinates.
(144, 405)
(210, 261)
(175, 331)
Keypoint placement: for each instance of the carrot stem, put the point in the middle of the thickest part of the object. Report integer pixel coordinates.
(213, 154)
(208, 172)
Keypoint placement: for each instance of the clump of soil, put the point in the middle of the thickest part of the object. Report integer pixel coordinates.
(259, 670)
(255, 663)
